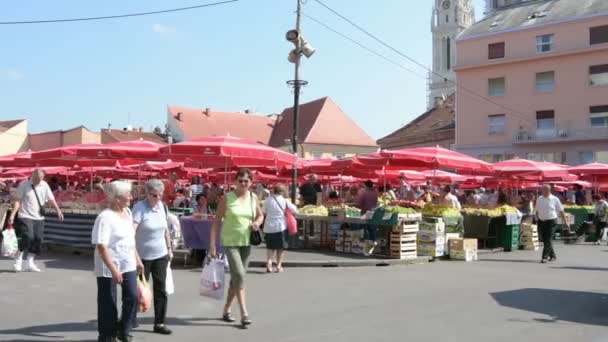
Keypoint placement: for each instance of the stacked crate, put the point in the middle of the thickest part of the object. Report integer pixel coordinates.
(346, 240)
(463, 249)
(432, 239)
(402, 240)
(529, 237)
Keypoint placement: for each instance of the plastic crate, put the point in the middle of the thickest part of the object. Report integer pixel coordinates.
(509, 237)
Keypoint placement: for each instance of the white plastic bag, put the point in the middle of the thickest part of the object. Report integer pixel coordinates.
(212, 279)
(10, 246)
(169, 284)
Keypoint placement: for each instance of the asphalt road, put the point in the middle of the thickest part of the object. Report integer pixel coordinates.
(503, 297)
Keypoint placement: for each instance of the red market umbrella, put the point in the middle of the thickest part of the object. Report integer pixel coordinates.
(139, 149)
(532, 170)
(593, 169)
(435, 158)
(17, 159)
(443, 176)
(228, 152)
(27, 171)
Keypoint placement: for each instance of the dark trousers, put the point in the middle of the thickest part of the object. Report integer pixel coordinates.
(158, 269)
(547, 231)
(29, 234)
(599, 226)
(107, 309)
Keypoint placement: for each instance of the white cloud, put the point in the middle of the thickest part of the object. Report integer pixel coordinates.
(11, 74)
(163, 30)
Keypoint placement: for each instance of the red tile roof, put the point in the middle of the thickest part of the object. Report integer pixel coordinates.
(6, 125)
(321, 122)
(438, 119)
(118, 135)
(204, 123)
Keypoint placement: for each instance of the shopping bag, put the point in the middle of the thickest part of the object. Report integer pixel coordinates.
(212, 279)
(292, 223)
(169, 285)
(144, 294)
(10, 246)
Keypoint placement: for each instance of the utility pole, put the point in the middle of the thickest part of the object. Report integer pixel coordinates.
(302, 48)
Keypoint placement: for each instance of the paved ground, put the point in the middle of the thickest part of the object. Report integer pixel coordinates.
(504, 297)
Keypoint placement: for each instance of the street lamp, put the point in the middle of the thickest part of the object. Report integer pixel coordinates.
(302, 48)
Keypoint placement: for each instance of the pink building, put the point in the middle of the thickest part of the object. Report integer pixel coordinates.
(533, 82)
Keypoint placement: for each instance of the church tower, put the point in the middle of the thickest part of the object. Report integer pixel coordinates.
(450, 17)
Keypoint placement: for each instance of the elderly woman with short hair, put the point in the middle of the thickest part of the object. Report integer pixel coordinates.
(116, 263)
(154, 247)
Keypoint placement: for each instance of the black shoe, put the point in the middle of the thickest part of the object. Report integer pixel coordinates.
(246, 322)
(125, 338)
(162, 329)
(228, 318)
(553, 258)
(544, 261)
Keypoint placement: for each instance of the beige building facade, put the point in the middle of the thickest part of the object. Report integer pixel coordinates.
(533, 83)
(13, 137)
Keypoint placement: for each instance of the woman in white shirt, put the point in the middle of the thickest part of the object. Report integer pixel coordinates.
(275, 226)
(116, 263)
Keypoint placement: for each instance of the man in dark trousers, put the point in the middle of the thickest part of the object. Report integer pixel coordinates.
(548, 207)
(310, 191)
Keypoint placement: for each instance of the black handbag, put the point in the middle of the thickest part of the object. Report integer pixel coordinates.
(255, 237)
(42, 210)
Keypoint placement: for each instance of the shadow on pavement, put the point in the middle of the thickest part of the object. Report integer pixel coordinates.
(582, 268)
(54, 331)
(511, 260)
(559, 305)
(69, 262)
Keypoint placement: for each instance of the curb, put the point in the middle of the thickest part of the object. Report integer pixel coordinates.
(346, 263)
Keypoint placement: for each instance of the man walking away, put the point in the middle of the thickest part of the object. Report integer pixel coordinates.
(548, 207)
(31, 196)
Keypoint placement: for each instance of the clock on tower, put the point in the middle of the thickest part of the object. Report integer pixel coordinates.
(446, 4)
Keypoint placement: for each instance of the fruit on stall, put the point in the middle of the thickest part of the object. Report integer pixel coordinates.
(348, 210)
(439, 210)
(314, 210)
(496, 212)
(399, 210)
(408, 204)
(586, 207)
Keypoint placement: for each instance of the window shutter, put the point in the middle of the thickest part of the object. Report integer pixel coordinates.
(496, 50)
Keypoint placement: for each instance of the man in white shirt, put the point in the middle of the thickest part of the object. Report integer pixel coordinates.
(31, 196)
(448, 199)
(548, 207)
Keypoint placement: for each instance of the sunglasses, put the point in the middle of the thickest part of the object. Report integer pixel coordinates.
(243, 181)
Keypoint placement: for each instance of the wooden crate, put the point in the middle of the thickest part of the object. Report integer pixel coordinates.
(406, 229)
(403, 253)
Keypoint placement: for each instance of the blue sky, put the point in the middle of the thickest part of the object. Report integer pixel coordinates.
(230, 57)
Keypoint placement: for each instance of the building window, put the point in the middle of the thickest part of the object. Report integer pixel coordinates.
(545, 123)
(544, 43)
(492, 158)
(496, 86)
(340, 155)
(598, 75)
(447, 18)
(496, 50)
(496, 124)
(601, 157)
(599, 116)
(586, 157)
(316, 155)
(598, 35)
(552, 157)
(545, 81)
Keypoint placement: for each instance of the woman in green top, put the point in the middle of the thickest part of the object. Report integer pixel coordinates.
(241, 213)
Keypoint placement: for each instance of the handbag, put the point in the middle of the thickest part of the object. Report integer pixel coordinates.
(42, 210)
(290, 219)
(255, 237)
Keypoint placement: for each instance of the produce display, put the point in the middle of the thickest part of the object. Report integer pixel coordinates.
(314, 210)
(440, 210)
(496, 212)
(408, 204)
(585, 207)
(348, 211)
(399, 210)
(80, 200)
